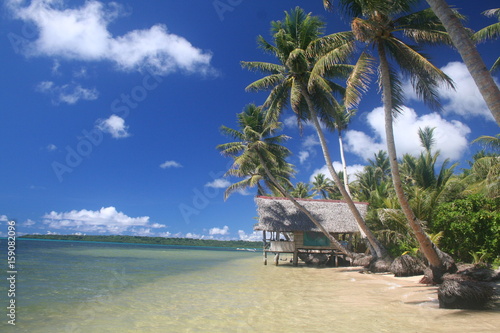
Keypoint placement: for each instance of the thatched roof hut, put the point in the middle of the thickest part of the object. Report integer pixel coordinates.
(279, 217)
(279, 214)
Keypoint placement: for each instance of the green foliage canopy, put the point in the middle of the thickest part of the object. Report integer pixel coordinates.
(470, 225)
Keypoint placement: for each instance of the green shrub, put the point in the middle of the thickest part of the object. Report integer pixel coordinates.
(470, 225)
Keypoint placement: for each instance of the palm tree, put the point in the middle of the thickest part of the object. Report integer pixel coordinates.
(381, 165)
(421, 171)
(302, 190)
(322, 185)
(248, 166)
(306, 62)
(341, 119)
(376, 24)
(255, 142)
(490, 32)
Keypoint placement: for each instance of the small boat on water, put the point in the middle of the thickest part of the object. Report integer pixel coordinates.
(244, 249)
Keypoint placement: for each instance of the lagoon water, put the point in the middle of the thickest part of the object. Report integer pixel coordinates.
(103, 287)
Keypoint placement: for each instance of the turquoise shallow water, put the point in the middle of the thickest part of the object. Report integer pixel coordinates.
(63, 285)
(96, 287)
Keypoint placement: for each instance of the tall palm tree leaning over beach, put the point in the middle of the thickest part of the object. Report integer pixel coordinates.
(256, 144)
(306, 61)
(465, 46)
(461, 39)
(375, 23)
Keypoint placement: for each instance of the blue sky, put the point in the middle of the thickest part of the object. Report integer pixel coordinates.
(111, 113)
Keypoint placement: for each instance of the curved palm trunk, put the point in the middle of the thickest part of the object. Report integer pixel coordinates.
(332, 239)
(471, 57)
(380, 251)
(344, 165)
(426, 245)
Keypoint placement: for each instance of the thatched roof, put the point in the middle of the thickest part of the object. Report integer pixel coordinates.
(279, 214)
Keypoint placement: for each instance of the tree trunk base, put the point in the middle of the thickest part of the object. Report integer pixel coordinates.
(380, 265)
(407, 265)
(361, 259)
(466, 294)
(434, 275)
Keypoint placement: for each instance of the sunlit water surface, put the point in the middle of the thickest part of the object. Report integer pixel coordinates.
(96, 287)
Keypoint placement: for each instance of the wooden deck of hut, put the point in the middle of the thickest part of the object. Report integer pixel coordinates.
(286, 229)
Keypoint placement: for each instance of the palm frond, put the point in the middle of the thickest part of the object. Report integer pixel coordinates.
(263, 67)
(496, 66)
(424, 27)
(359, 80)
(277, 100)
(492, 31)
(424, 76)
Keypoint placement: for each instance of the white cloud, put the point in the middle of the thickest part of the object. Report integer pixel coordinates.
(68, 93)
(310, 141)
(82, 34)
(219, 231)
(165, 234)
(465, 100)
(351, 171)
(450, 136)
(254, 236)
(107, 219)
(28, 223)
(55, 67)
(51, 147)
(361, 144)
(303, 156)
(3, 218)
(115, 126)
(309, 144)
(170, 164)
(290, 122)
(224, 183)
(195, 236)
(141, 232)
(219, 183)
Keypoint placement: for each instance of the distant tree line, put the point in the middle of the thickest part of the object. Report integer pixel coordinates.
(150, 240)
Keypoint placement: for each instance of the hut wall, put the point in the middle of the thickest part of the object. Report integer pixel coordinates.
(298, 237)
(280, 246)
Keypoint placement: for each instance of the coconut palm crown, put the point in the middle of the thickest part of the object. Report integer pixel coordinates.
(256, 138)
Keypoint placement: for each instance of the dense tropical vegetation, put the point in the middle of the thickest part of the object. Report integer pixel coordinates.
(418, 204)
